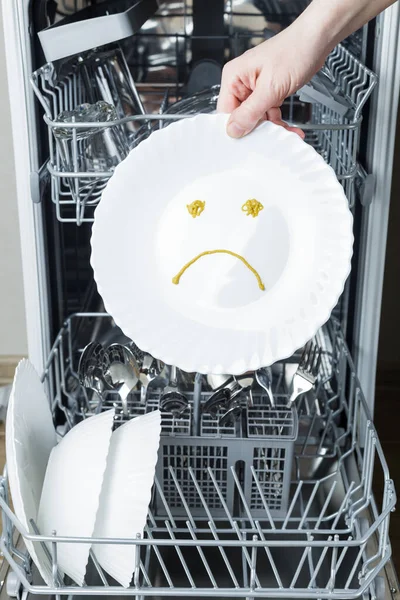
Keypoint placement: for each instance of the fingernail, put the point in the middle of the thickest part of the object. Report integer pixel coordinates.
(235, 131)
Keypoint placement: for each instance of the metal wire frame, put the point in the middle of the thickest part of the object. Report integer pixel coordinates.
(196, 438)
(334, 137)
(334, 536)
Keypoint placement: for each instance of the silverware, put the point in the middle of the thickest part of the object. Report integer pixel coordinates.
(216, 402)
(305, 377)
(91, 366)
(218, 381)
(264, 379)
(122, 373)
(147, 375)
(137, 353)
(172, 399)
(235, 388)
(246, 380)
(232, 414)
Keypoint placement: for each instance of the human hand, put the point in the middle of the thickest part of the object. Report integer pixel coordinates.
(254, 85)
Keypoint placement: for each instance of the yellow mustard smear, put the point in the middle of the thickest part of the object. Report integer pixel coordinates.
(195, 208)
(177, 277)
(252, 207)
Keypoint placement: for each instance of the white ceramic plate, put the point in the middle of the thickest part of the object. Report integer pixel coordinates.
(126, 492)
(218, 320)
(71, 490)
(30, 438)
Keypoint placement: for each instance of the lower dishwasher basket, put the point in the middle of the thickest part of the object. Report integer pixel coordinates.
(331, 542)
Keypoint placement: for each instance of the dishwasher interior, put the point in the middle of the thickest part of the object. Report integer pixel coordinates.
(278, 502)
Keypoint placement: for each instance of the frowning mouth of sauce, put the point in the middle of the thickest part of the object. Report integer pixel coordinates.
(178, 276)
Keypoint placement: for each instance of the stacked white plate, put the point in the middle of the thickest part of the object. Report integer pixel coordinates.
(126, 493)
(30, 438)
(93, 483)
(71, 490)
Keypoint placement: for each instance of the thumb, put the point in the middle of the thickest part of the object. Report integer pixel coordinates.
(246, 117)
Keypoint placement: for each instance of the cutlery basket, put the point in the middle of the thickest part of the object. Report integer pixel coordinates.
(208, 468)
(255, 454)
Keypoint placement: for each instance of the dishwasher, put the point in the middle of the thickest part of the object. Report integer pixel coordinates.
(282, 504)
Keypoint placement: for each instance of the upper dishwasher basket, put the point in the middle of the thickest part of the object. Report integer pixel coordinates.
(331, 542)
(76, 192)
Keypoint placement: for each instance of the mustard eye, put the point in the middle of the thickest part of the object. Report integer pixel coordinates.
(195, 208)
(252, 207)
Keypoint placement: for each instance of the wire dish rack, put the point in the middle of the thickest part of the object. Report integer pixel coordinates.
(331, 542)
(334, 136)
(262, 441)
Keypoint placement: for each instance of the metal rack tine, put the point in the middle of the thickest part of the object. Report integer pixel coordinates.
(292, 504)
(342, 555)
(319, 564)
(213, 529)
(309, 504)
(202, 555)
(245, 552)
(180, 555)
(306, 555)
(232, 521)
(223, 554)
(333, 570)
(269, 555)
(136, 572)
(264, 502)
(145, 574)
(98, 568)
(51, 556)
(182, 496)
(343, 505)
(326, 504)
(159, 557)
(220, 496)
(164, 501)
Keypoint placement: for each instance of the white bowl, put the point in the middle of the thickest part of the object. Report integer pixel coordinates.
(30, 438)
(126, 492)
(71, 490)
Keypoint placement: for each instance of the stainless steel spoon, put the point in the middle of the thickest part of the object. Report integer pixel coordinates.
(216, 402)
(137, 353)
(218, 381)
(172, 399)
(232, 414)
(147, 375)
(122, 373)
(264, 379)
(91, 367)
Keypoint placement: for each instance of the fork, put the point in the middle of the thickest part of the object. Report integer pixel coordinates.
(305, 377)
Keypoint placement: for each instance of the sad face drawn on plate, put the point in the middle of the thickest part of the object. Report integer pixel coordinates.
(251, 207)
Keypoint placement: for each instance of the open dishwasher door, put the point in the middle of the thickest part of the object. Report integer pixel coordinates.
(280, 504)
